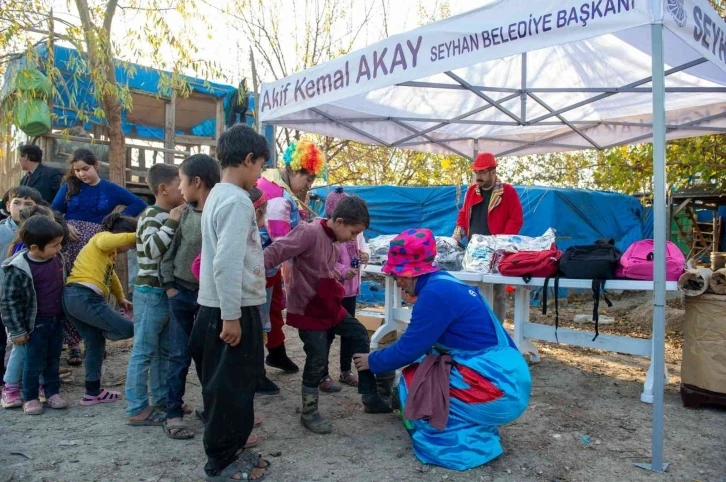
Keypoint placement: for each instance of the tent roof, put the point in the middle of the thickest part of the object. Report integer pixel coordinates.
(518, 78)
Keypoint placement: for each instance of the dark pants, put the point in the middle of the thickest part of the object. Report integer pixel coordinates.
(316, 350)
(182, 309)
(346, 353)
(229, 377)
(3, 347)
(43, 357)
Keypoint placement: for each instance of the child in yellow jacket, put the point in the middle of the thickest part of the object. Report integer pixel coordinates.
(92, 279)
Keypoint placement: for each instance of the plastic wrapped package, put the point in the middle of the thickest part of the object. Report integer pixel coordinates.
(378, 247)
(483, 252)
(450, 253)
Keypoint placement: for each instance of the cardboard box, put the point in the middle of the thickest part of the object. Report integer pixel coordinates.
(372, 319)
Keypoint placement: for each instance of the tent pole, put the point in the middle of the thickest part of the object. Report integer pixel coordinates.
(659, 234)
(523, 98)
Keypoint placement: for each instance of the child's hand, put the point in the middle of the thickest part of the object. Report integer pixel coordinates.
(21, 340)
(231, 332)
(364, 258)
(73, 233)
(175, 214)
(352, 273)
(172, 292)
(126, 305)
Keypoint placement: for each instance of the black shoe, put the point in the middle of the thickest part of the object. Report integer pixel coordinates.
(265, 386)
(277, 358)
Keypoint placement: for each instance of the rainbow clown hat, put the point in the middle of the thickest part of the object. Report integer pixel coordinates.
(305, 155)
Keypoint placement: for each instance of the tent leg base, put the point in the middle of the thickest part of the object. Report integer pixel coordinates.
(650, 467)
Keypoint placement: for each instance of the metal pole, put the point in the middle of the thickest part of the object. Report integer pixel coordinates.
(523, 98)
(659, 236)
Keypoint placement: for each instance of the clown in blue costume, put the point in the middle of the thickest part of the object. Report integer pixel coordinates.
(489, 382)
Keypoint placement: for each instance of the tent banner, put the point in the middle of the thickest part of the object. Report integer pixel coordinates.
(499, 29)
(697, 23)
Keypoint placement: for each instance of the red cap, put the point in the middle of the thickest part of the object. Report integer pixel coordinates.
(484, 161)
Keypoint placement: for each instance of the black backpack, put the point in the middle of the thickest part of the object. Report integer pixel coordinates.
(596, 261)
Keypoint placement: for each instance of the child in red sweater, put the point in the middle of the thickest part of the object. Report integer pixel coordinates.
(314, 302)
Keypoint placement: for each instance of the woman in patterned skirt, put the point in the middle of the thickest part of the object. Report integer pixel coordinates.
(86, 199)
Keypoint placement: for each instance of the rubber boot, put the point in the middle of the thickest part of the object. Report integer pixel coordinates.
(374, 403)
(277, 358)
(384, 384)
(309, 416)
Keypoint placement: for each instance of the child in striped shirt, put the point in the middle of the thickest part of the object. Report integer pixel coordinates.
(149, 361)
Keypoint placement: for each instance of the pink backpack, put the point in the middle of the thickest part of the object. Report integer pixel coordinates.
(637, 261)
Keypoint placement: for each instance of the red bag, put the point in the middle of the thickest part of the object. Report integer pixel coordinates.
(531, 264)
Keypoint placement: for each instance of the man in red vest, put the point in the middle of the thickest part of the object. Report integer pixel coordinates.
(490, 207)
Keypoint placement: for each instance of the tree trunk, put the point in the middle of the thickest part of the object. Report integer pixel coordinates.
(117, 148)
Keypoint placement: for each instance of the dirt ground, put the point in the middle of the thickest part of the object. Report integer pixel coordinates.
(585, 422)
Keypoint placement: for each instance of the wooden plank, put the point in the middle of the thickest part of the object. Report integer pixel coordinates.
(219, 122)
(98, 141)
(195, 141)
(169, 127)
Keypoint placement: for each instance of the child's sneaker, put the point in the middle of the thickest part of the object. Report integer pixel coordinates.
(56, 402)
(11, 397)
(33, 407)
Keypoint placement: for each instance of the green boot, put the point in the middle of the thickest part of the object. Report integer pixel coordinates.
(310, 417)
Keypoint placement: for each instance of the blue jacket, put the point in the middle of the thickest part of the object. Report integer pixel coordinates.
(93, 203)
(446, 313)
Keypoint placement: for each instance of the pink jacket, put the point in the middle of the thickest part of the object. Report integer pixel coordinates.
(346, 252)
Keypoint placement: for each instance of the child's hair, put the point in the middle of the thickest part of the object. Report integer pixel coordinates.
(160, 174)
(5, 201)
(34, 153)
(118, 223)
(24, 192)
(41, 210)
(74, 184)
(202, 166)
(31, 211)
(352, 210)
(39, 231)
(257, 197)
(236, 143)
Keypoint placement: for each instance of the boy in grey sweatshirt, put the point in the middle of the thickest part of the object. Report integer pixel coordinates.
(226, 341)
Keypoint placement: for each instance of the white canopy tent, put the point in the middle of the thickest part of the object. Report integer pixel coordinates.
(515, 78)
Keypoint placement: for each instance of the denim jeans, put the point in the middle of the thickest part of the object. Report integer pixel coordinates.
(149, 360)
(183, 308)
(97, 322)
(16, 362)
(43, 357)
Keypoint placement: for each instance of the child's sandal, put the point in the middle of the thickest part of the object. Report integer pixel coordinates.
(105, 396)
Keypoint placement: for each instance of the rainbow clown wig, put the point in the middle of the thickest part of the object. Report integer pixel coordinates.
(305, 155)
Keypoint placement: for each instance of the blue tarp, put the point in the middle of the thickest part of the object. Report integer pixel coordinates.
(75, 92)
(579, 217)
